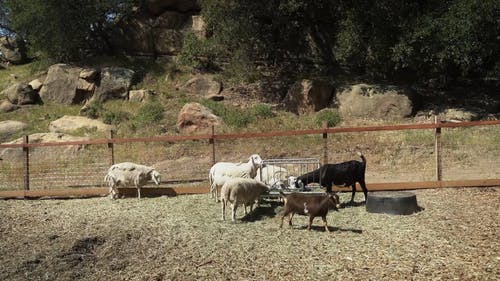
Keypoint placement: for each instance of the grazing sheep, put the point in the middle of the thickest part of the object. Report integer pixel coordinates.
(221, 171)
(241, 191)
(273, 176)
(128, 174)
(311, 205)
(341, 174)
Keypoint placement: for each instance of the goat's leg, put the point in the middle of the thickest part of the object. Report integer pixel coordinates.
(353, 186)
(325, 223)
(365, 190)
(311, 218)
(139, 192)
(290, 220)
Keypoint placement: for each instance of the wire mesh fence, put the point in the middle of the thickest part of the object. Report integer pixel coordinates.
(392, 155)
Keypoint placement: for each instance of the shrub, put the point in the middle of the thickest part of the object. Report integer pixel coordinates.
(115, 118)
(262, 111)
(232, 116)
(94, 110)
(331, 117)
(151, 112)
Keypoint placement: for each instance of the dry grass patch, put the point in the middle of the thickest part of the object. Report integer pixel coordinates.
(183, 238)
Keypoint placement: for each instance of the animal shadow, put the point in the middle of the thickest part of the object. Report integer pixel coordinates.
(267, 209)
(353, 204)
(321, 228)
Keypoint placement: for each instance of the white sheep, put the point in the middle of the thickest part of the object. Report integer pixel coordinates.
(241, 191)
(130, 174)
(221, 171)
(273, 176)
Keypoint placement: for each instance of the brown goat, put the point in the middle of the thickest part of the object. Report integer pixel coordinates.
(309, 205)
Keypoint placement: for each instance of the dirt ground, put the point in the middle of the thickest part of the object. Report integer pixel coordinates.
(455, 237)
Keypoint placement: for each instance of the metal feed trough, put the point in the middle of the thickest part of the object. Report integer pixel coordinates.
(278, 171)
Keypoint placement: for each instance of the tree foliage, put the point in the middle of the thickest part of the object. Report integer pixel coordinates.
(391, 39)
(64, 30)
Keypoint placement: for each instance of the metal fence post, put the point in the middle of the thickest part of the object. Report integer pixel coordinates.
(111, 148)
(26, 164)
(325, 144)
(437, 148)
(212, 142)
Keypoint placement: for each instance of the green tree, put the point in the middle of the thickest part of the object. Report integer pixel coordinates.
(64, 30)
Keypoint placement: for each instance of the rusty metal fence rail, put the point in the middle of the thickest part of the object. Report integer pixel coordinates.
(427, 156)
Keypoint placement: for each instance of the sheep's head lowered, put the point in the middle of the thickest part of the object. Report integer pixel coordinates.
(155, 176)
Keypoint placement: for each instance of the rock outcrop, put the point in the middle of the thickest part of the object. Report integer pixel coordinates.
(195, 118)
(308, 96)
(10, 127)
(15, 155)
(21, 94)
(13, 50)
(68, 124)
(372, 101)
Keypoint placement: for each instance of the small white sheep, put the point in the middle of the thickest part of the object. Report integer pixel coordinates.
(130, 174)
(273, 176)
(241, 191)
(221, 171)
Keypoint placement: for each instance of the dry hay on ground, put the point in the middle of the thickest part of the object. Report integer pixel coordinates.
(456, 236)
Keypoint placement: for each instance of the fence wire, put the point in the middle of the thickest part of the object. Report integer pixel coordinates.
(392, 156)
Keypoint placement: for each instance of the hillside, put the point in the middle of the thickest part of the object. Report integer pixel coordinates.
(253, 106)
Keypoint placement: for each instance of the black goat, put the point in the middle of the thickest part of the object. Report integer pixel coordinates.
(341, 174)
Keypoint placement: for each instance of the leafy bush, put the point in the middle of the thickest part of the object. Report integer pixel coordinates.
(330, 116)
(232, 116)
(115, 118)
(150, 112)
(262, 111)
(94, 110)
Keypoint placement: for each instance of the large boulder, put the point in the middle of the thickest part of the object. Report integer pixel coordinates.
(36, 84)
(195, 118)
(13, 50)
(143, 34)
(115, 83)
(372, 101)
(202, 85)
(10, 127)
(20, 94)
(68, 124)
(66, 84)
(308, 96)
(15, 155)
(140, 95)
(60, 85)
(7, 106)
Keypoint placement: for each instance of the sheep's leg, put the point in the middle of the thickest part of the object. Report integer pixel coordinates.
(139, 192)
(223, 209)
(245, 205)
(111, 193)
(216, 193)
(234, 206)
(325, 223)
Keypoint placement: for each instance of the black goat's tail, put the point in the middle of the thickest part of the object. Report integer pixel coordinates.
(362, 157)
